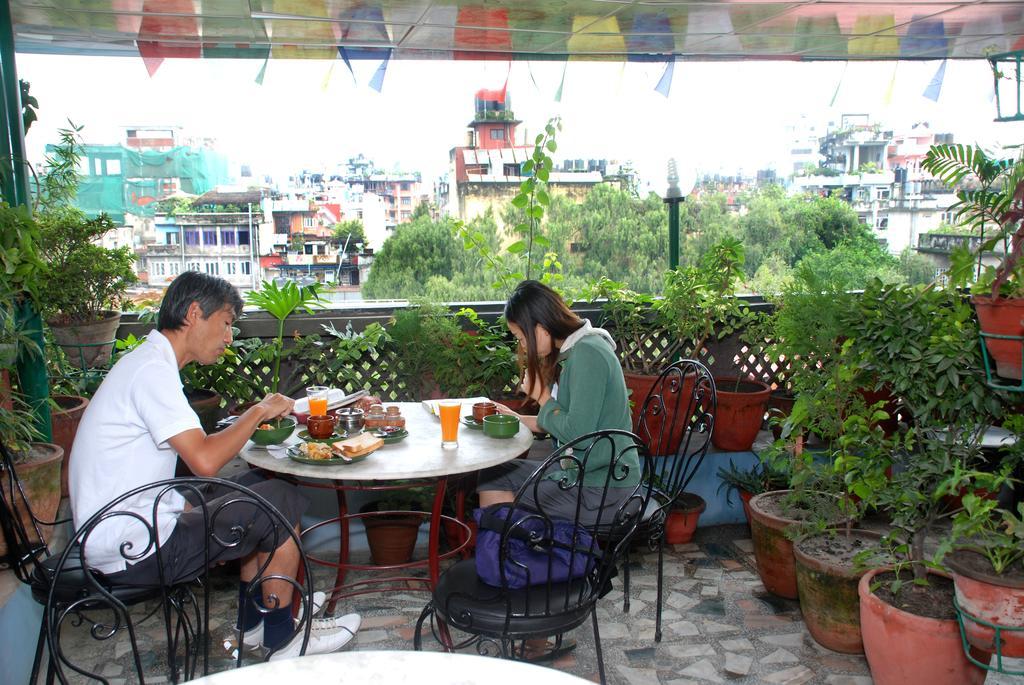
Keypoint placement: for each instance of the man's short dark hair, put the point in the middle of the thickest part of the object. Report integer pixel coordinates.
(212, 293)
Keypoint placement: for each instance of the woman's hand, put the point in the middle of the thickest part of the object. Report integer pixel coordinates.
(502, 409)
(525, 419)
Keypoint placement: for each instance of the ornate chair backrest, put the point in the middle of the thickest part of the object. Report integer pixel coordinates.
(676, 422)
(183, 603)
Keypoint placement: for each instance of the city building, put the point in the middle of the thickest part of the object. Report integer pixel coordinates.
(486, 171)
(220, 237)
(879, 173)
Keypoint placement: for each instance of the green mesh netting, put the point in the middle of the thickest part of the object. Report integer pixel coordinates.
(124, 181)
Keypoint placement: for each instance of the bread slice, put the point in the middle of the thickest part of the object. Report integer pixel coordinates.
(361, 444)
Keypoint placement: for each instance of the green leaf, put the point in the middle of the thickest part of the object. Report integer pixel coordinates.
(552, 146)
(517, 247)
(521, 200)
(543, 198)
(543, 175)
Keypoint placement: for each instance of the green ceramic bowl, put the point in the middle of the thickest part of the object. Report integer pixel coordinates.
(283, 428)
(500, 426)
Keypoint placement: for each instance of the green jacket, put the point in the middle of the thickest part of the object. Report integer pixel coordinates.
(591, 396)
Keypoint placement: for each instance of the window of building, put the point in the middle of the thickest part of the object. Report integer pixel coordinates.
(193, 266)
(175, 267)
(882, 193)
(209, 236)
(883, 223)
(243, 236)
(246, 268)
(113, 167)
(192, 237)
(230, 268)
(212, 268)
(170, 239)
(407, 201)
(227, 236)
(158, 268)
(511, 170)
(308, 249)
(406, 216)
(405, 186)
(308, 221)
(497, 134)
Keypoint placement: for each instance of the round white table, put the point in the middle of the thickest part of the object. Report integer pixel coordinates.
(418, 458)
(387, 668)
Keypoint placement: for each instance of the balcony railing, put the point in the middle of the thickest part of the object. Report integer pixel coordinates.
(945, 243)
(382, 373)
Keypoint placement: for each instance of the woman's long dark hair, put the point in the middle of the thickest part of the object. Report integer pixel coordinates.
(533, 303)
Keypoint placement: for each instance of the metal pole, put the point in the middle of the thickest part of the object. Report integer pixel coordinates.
(31, 368)
(673, 231)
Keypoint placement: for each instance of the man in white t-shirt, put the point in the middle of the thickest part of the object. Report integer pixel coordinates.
(134, 429)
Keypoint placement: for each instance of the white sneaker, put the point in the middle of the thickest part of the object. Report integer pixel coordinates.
(253, 638)
(322, 639)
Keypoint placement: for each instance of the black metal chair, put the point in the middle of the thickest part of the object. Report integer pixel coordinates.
(676, 422)
(503, 615)
(77, 598)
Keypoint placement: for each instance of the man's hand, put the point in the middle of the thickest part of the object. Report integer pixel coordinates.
(275, 405)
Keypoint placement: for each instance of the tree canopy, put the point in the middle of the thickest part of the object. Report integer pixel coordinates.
(611, 233)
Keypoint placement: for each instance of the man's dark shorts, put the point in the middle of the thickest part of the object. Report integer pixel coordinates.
(183, 554)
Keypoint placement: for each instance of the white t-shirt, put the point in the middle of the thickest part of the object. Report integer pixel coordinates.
(121, 444)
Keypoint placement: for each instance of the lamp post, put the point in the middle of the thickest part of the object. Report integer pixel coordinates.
(675, 194)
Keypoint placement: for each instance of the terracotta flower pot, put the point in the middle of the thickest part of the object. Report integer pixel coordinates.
(87, 345)
(681, 523)
(745, 498)
(1002, 316)
(662, 441)
(828, 589)
(741, 408)
(392, 539)
(773, 551)
(991, 597)
(65, 425)
(905, 649)
(40, 477)
(456, 534)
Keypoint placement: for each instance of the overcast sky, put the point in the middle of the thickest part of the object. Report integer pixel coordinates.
(720, 116)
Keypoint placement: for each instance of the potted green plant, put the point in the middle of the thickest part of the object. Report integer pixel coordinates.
(699, 304)
(923, 341)
(336, 358)
(987, 561)
(990, 199)
(37, 465)
(82, 289)
(759, 477)
(281, 302)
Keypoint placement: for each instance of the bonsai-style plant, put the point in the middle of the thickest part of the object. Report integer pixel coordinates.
(990, 200)
(84, 284)
(281, 302)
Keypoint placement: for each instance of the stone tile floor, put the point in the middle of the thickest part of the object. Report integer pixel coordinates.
(719, 626)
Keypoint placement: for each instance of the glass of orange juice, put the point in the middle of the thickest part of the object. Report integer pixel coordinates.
(450, 411)
(317, 395)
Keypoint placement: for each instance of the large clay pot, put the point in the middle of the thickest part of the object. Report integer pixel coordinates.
(65, 425)
(905, 649)
(392, 538)
(661, 440)
(991, 597)
(773, 551)
(828, 591)
(1002, 316)
(40, 478)
(87, 345)
(745, 498)
(741, 408)
(681, 522)
(206, 405)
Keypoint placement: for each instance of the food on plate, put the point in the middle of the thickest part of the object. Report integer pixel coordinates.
(316, 450)
(361, 444)
(265, 427)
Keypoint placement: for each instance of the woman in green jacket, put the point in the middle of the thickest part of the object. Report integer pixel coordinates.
(572, 372)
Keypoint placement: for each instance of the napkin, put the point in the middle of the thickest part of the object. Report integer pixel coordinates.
(430, 406)
(335, 398)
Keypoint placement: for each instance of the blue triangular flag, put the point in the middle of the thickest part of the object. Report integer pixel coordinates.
(665, 84)
(934, 88)
(377, 82)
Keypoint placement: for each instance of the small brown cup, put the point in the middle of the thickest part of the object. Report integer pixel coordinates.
(320, 426)
(482, 409)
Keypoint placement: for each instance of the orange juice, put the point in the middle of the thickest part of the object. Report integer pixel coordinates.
(317, 406)
(449, 412)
